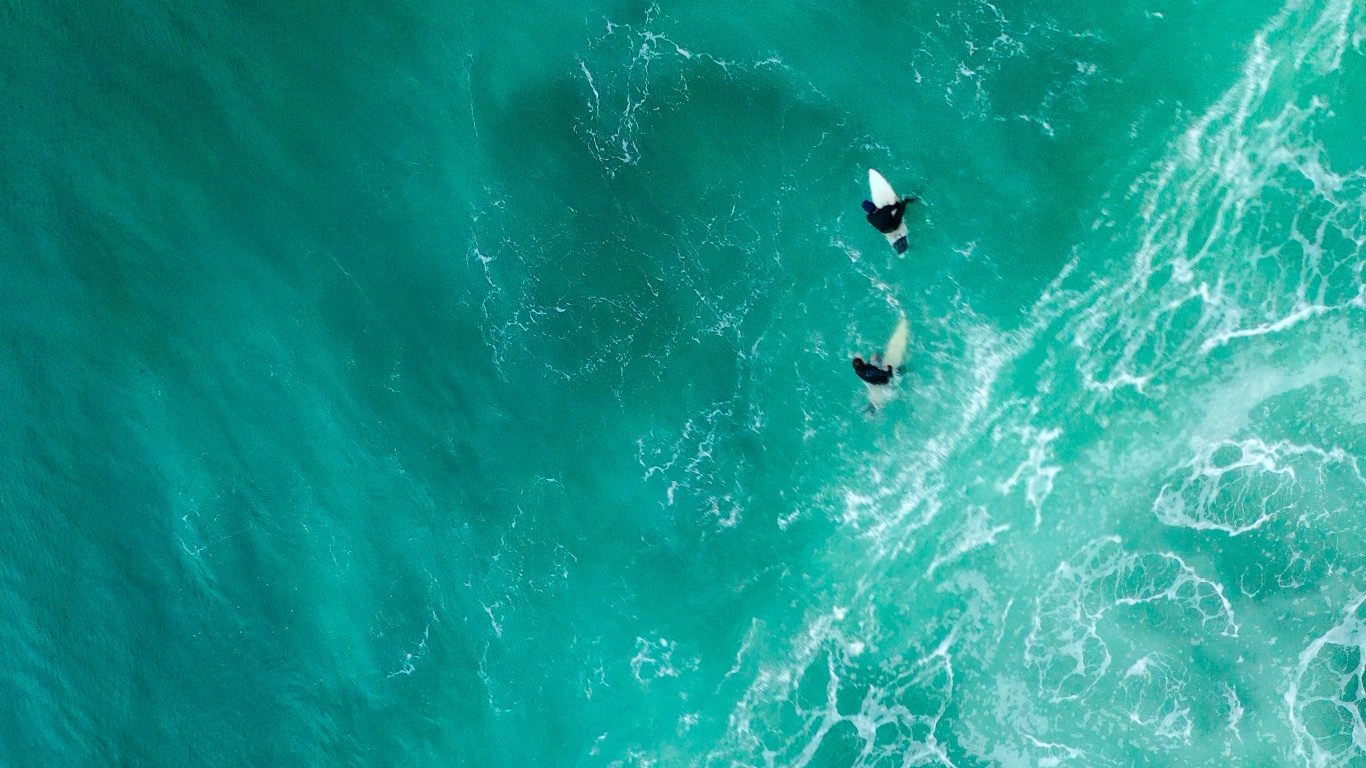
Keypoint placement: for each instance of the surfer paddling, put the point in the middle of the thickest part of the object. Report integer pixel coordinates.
(887, 219)
(878, 374)
(874, 372)
(885, 211)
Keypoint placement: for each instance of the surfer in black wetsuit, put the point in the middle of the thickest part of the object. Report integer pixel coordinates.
(887, 218)
(873, 373)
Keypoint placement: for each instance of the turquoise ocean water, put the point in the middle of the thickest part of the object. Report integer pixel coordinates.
(452, 384)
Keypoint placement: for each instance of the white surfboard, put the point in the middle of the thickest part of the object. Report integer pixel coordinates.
(882, 194)
(895, 356)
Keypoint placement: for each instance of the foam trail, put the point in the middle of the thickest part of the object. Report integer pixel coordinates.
(1239, 486)
(1323, 700)
(1064, 644)
(1247, 231)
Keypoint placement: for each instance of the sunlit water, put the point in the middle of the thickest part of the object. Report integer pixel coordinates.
(468, 385)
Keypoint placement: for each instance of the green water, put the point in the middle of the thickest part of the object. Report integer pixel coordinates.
(467, 385)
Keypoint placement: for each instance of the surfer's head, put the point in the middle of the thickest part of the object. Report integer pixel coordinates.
(868, 206)
(858, 363)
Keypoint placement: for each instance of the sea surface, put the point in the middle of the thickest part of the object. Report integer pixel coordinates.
(438, 383)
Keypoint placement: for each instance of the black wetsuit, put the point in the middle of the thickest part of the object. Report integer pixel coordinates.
(887, 218)
(873, 374)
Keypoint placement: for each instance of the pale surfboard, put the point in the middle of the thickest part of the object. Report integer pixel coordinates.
(895, 356)
(882, 194)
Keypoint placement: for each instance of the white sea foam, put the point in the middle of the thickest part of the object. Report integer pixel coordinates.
(654, 659)
(1235, 710)
(1153, 689)
(688, 465)
(1324, 697)
(896, 718)
(1064, 644)
(1038, 476)
(1238, 486)
(974, 532)
(986, 46)
(1247, 231)
(622, 96)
